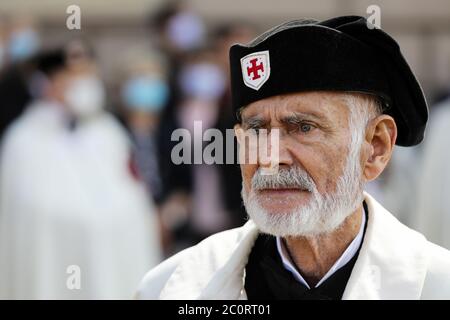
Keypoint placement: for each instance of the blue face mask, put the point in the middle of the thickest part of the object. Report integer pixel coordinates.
(203, 80)
(145, 93)
(186, 31)
(23, 44)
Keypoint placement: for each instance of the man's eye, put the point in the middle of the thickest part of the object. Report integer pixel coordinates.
(305, 127)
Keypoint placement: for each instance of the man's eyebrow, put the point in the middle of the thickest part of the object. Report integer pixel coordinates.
(256, 121)
(297, 117)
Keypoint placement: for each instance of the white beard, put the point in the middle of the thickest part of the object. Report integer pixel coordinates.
(322, 214)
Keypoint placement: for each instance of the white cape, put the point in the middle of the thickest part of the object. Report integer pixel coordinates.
(394, 262)
(432, 203)
(68, 199)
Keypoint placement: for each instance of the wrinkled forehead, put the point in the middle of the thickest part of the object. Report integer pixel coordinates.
(323, 106)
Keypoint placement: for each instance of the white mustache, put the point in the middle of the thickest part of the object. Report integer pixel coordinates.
(293, 177)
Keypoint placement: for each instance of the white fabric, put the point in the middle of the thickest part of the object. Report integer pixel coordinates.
(431, 211)
(68, 198)
(396, 188)
(346, 256)
(394, 262)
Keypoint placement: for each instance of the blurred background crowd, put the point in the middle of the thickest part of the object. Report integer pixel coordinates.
(86, 118)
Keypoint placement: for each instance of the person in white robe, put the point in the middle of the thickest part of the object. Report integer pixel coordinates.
(399, 183)
(431, 214)
(75, 223)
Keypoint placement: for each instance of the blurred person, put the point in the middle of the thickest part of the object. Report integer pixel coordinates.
(144, 94)
(179, 32)
(20, 42)
(23, 39)
(179, 28)
(339, 95)
(202, 83)
(223, 38)
(193, 207)
(431, 214)
(69, 201)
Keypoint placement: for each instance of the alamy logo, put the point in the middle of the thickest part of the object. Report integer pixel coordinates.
(73, 281)
(73, 21)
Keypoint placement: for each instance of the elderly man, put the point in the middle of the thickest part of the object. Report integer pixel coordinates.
(340, 95)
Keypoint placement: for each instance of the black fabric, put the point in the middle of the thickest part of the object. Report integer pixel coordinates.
(340, 54)
(51, 61)
(14, 94)
(267, 279)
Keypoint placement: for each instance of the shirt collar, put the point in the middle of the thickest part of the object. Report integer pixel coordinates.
(348, 254)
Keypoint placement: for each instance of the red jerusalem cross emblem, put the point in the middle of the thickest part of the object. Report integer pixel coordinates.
(255, 69)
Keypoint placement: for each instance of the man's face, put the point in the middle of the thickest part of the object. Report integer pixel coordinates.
(314, 150)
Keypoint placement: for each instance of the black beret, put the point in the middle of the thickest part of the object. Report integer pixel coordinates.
(340, 54)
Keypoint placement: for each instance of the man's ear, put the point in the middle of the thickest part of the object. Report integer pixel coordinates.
(381, 134)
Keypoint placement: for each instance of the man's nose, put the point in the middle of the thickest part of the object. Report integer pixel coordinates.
(276, 153)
